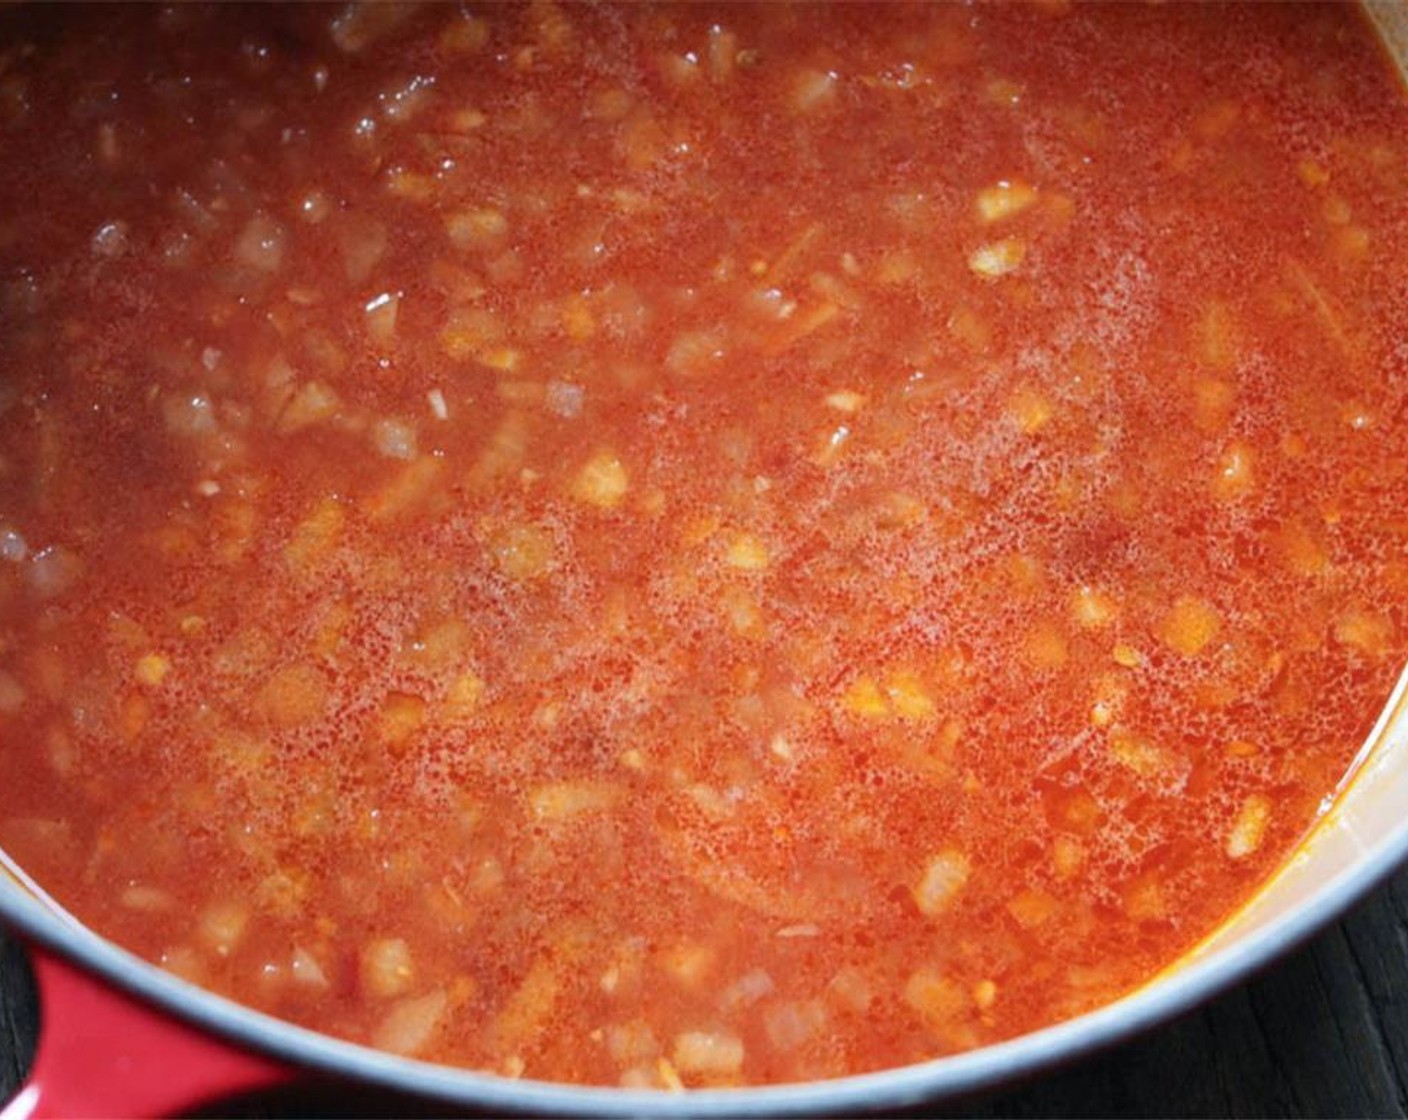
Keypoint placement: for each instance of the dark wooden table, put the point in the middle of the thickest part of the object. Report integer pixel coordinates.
(1322, 1033)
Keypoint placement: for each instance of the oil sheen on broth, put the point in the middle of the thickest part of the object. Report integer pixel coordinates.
(691, 546)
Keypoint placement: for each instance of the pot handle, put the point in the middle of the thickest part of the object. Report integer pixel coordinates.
(102, 1052)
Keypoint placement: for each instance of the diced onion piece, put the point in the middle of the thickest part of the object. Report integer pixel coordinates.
(380, 317)
(1249, 827)
(1126, 655)
(523, 551)
(1067, 855)
(316, 535)
(1143, 757)
(1311, 173)
(521, 392)
(487, 876)
(409, 486)
(789, 1024)
(222, 926)
(185, 962)
(12, 546)
(559, 801)
(707, 1053)
(1092, 609)
(12, 694)
(1004, 92)
(944, 877)
(363, 242)
(602, 481)
(146, 900)
(852, 989)
(358, 26)
(1030, 410)
(680, 69)
(1144, 899)
(797, 327)
(845, 400)
(283, 892)
(529, 1009)
(1032, 907)
(1216, 336)
(908, 696)
(1003, 200)
(1364, 631)
(386, 968)
(694, 353)
(669, 1076)
(261, 244)
(564, 399)
(747, 989)
(314, 207)
(577, 318)
(151, 669)
(813, 89)
(1356, 415)
(482, 228)
(60, 752)
(864, 698)
(293, 696)
(411, 1023)
(1351, 244)
(188, 413)
(438, 408)
(1190, 625)
(306, 969)
(463, 696)
(110, 240)
(1235, 476)
(722, 53)
(747, 553)
(644, 1076)
(1101, 714)
(394, 438)
(464, 34)
(53, 571)
(832, 444)
(502, 358)
(403, 101)
(313, 403)
(1045, 647)
(1213, 401)
(998, 258)
(400, 717)
(632, 1043)
(938, 1000)
(1336, 209)
(688, 963)
(970, 328)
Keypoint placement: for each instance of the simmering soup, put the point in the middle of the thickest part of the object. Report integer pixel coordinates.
(691, 545)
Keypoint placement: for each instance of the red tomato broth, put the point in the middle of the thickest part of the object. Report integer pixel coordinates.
(861, 537)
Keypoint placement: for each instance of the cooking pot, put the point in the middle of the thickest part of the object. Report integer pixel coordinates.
(121, 1036)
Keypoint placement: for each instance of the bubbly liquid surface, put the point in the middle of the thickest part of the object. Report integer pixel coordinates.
(691, 545)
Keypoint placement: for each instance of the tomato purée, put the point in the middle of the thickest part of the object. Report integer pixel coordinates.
(691, 545)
